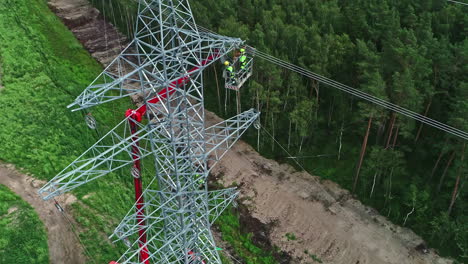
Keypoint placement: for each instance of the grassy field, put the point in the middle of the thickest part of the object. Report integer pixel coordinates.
(23, 238)
(43, 69)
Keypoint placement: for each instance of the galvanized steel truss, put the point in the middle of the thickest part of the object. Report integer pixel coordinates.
(164, 64)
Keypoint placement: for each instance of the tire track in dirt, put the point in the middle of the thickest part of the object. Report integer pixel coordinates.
(64, 247)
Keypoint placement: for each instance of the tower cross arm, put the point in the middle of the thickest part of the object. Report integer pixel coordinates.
(108, 154)
(223, 135)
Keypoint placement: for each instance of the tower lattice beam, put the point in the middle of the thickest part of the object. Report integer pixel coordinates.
(171, 218)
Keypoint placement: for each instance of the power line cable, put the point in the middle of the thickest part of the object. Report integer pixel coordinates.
(457, 2)
(361, 94)
(283, 148)
(319, 185)
(73, 228)
(373, 99)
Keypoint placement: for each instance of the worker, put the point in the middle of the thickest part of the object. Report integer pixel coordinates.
(230, 72)
(200, 179)
(243, 59)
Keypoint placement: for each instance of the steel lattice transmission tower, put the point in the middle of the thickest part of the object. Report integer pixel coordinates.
(171, 218)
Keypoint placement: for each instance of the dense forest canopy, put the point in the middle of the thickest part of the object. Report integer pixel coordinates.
(412, 53)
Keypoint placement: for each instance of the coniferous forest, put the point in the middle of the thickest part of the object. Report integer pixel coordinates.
(411, 53)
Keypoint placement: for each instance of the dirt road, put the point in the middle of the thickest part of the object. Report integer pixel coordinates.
(63, 245)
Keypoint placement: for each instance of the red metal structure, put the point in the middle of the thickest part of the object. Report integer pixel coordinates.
(137, 116)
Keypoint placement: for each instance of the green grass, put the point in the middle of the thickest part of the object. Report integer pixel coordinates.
(43, 69)
(290, 236)
(242, 243)
(23, 238)
(313, 257)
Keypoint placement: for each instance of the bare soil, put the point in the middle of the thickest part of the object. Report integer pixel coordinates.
(322, 220)
(64, 247)
(96, 34)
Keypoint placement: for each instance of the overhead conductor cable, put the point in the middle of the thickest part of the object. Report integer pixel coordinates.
(396, 108)
(353, 91)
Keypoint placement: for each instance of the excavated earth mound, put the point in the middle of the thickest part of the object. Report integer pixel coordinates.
(96, 34)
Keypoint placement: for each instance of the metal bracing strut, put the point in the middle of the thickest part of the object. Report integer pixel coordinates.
(173, 210)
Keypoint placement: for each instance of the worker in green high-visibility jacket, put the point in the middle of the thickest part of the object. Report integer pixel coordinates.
(200, 180)
(243, 59)
(230, 72)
